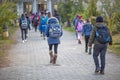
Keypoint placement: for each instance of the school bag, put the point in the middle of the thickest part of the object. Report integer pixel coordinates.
(88, 29)
(24, 24)
(55, 30)
(79, 26)
(103, 35)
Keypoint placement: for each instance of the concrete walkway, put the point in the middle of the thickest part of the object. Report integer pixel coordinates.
(30, 61)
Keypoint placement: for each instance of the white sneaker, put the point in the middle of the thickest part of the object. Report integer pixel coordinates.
(23, 41)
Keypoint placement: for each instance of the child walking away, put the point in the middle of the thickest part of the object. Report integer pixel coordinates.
(23, 23)
(79, 29)
(86, 32)
(100, 36)
(53, 32)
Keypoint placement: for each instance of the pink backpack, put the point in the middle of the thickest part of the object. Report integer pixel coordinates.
(79, 26)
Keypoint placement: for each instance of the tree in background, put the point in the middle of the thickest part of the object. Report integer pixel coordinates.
(112, 14)
(8, 13)
(92, 10)
(65, 9)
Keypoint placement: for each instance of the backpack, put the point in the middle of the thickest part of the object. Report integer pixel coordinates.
(35, 21)
(103, 35)
(55, 30)
(24, 24)
(88, 29)
(79, 26)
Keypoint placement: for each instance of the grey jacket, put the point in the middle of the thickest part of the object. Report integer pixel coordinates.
(92, 39)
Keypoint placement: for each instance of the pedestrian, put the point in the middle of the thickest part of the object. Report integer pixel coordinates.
(23, 23)
(100, 36)
(53, 32)
(79, 29)
(86, 32)
(75, 21)
(42, 23)
(36, 22)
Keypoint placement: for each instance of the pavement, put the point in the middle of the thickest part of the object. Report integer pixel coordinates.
(30, 61)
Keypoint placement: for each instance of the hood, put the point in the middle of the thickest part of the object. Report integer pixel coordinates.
(100, 24)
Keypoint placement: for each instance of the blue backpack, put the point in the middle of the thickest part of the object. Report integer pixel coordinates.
(55, 29)
(88, 29)
(103, 35)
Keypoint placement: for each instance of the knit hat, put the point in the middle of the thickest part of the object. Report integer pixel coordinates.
(99, 19)
(80, 17)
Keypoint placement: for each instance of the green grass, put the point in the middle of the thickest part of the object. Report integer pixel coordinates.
(70, 29)
(116, 44)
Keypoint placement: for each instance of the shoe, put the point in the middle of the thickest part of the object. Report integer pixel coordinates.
(102, 72)
(89, 51)
(79, 42)
(44, 38)
(86, 50)
(54, 58)
(51, 56)
(97, 70)
(23, 41)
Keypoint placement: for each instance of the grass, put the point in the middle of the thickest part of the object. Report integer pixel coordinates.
(70, 29)
(116, 44)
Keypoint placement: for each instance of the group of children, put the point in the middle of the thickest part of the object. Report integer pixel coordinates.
(99, 35)
(82, 28)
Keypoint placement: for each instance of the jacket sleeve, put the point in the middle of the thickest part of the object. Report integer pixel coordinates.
(47, 31)
(110, 43)
(83, 30)
(92, 36)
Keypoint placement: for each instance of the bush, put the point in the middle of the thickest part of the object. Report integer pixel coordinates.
(8, 13)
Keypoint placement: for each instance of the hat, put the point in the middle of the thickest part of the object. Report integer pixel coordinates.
(99, 19)
(80, 17)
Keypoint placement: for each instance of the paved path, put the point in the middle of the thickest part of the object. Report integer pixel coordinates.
(30, 61)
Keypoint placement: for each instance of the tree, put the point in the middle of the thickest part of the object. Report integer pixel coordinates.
(112, 14)
(92, 10)
(65, 10)
(7, 13)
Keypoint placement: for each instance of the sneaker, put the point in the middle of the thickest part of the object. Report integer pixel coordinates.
(89, 51)
(102, 72)
(86, 50)
(97, 70)
(23, 41)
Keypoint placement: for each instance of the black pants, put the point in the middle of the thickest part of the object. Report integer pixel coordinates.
(24, 34)
(86, 42)
(55, 47)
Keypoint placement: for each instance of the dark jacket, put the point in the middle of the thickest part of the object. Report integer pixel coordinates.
(92, 37)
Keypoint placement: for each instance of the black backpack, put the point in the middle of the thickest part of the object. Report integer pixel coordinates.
(103, 35)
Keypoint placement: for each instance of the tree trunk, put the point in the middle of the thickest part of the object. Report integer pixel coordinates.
(68, 23)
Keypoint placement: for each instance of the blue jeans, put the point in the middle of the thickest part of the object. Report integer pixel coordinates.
(99, 49)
